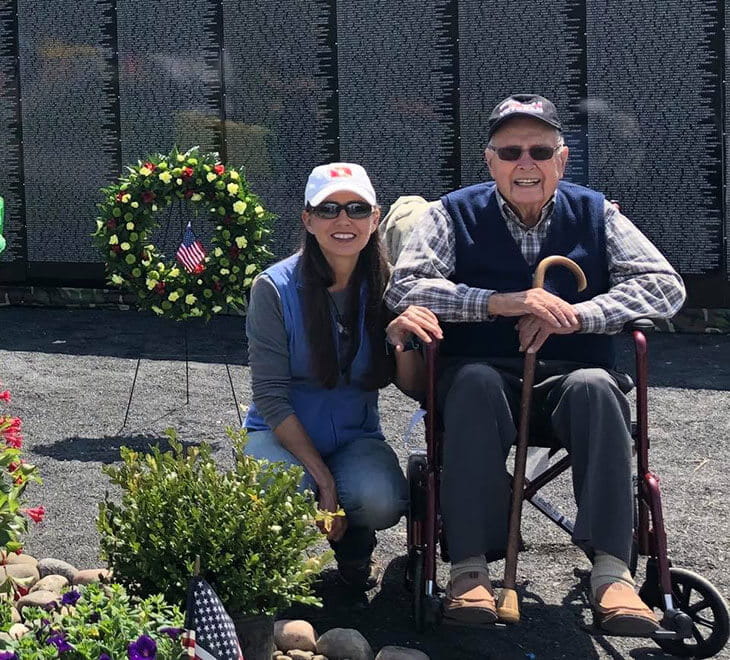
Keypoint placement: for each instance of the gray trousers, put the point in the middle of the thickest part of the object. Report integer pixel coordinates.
(587, 411)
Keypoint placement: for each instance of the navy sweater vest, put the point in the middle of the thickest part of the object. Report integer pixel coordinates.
(488, 257)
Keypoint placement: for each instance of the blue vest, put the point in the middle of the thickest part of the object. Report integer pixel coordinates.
(489, 258)
(332, 418)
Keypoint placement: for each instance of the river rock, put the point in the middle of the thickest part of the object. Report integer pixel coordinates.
(294, 634)
(25, 575)
(90, 575)
(17, 630)
(57, 567)
(400, 653)
(37, 599)
(344, 644)
(51, 583)
(298, 654)
(12, 558)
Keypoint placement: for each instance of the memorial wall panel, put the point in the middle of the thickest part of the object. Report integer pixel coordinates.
(11, 135)
(398, 106)
(281, 103)
(505, 50)
(70, 143)
(654, 123)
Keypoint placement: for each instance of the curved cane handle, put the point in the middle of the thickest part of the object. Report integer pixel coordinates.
(556, 260)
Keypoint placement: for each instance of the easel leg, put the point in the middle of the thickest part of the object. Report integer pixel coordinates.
(131, 393)
(233, 392)
(187, 371)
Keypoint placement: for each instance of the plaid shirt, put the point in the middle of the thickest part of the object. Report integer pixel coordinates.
(642, 282)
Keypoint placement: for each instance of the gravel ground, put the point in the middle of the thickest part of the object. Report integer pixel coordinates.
(71, 371)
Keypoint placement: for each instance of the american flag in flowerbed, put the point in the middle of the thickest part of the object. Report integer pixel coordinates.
(191, 252)
(210, 633)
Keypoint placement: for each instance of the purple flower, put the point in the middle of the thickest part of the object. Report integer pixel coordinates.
(49, 607)
(144, 647)
(70, 597)
(58, 639)
(10, 655)
(105, 656)
(172, 633)
(94, 617)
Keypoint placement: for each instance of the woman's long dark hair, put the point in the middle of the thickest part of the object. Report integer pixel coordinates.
(317, 276)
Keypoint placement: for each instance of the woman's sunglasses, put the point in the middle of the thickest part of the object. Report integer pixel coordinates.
(537, 152)
(330, 210)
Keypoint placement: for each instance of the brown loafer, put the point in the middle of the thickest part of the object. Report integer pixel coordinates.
(470, 599)
(619, 611)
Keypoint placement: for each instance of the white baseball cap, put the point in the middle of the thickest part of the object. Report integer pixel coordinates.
(333, 177)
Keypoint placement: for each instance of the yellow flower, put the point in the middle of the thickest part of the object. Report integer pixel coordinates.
(157, 310)
(151, 284)
(174, 272)
(154, 207)
(241, 242)
(251, 268)
(126, 197)
(145, 171)
(196, 312)
(117, 279)
(192, 161)
(180, 158)
(218, 252)
(232, 188)
(190, 299)
(225, 271)
(173, 296)
(259, 210)
(234, 175)
(130, 226)
(216, 308)
(196, 197)
(239, 207)
(247, 282)
(125, 246)
(165, 177)
(211, 176)
(178, 182)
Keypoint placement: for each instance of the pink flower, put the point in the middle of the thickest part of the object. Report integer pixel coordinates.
(36, 514)
(13, 440)
(5, 396)
(219, 169)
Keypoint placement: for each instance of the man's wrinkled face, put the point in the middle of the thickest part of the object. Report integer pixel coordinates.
(526, 183)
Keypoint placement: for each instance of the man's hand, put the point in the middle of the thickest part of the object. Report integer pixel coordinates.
(416, 320)
(534, 331)
(328, 502)
(540, 303)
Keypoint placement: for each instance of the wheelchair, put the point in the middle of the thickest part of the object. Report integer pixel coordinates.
(695, 621)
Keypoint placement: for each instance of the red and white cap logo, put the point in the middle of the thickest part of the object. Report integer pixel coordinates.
(325, 180)
(510, 106)
(340, 171)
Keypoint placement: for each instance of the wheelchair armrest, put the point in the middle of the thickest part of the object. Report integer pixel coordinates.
(645, 325)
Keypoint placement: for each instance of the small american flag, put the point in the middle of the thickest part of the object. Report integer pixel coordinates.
(191, 252)
(210, 633)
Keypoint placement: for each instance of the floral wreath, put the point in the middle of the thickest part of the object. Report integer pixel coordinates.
(218, 281)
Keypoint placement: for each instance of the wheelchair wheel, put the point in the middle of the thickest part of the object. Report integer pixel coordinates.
(698, 599)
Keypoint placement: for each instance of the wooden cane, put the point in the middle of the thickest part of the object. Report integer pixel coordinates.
(508, 607)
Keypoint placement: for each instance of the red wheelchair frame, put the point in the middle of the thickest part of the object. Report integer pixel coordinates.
(690, 627)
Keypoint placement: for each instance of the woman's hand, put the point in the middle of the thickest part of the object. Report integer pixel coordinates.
(419, 321)
(328, 502)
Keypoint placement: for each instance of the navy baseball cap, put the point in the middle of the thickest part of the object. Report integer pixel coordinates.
(523, 105)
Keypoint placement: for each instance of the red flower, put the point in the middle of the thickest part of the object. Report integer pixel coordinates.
(19, 551)
(119, 196)
(116, 248)
(13, 466)
(111, 223)
(198, 269)
(187, 172)
(36, 514)
(150, 166)
(188, 194)
(217, 285)
(20, 591)
(227, 220)
(13, 440)
(160, 288)
(148, 196)
(233, 252)
(15, 424)
(219, 169)
(5, 396)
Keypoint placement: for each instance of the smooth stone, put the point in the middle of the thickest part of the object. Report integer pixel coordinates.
(17, 630)
(37, 599)
(298, 654)
(50, 583)
(5, 637)
(400, 653)
(24, 575)
(15, 616)
(12, 558)
(294, 634)
(344, 644)
(57, 567)
(91, 575)
(319, 657)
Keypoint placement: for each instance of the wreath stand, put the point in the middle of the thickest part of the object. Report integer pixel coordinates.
(187, 356)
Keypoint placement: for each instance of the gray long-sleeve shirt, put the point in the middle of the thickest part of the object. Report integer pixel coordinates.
(268, 350)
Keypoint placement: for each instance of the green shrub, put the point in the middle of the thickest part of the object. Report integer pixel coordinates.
(99, 621)
(249, 525)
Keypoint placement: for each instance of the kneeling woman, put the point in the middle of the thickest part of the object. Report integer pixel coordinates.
(317, 332)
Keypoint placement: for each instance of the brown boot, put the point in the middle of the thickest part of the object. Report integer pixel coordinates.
(619, 611)
(470, 599)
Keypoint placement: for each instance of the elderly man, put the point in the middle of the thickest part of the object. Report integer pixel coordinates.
(470, 260)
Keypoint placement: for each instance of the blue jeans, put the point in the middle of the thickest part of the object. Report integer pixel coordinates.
(371, 487)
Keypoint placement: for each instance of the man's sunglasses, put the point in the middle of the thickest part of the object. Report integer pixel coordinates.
(330, 210)
(537, 152)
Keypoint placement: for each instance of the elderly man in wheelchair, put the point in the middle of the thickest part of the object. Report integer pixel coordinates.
(470, 259)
